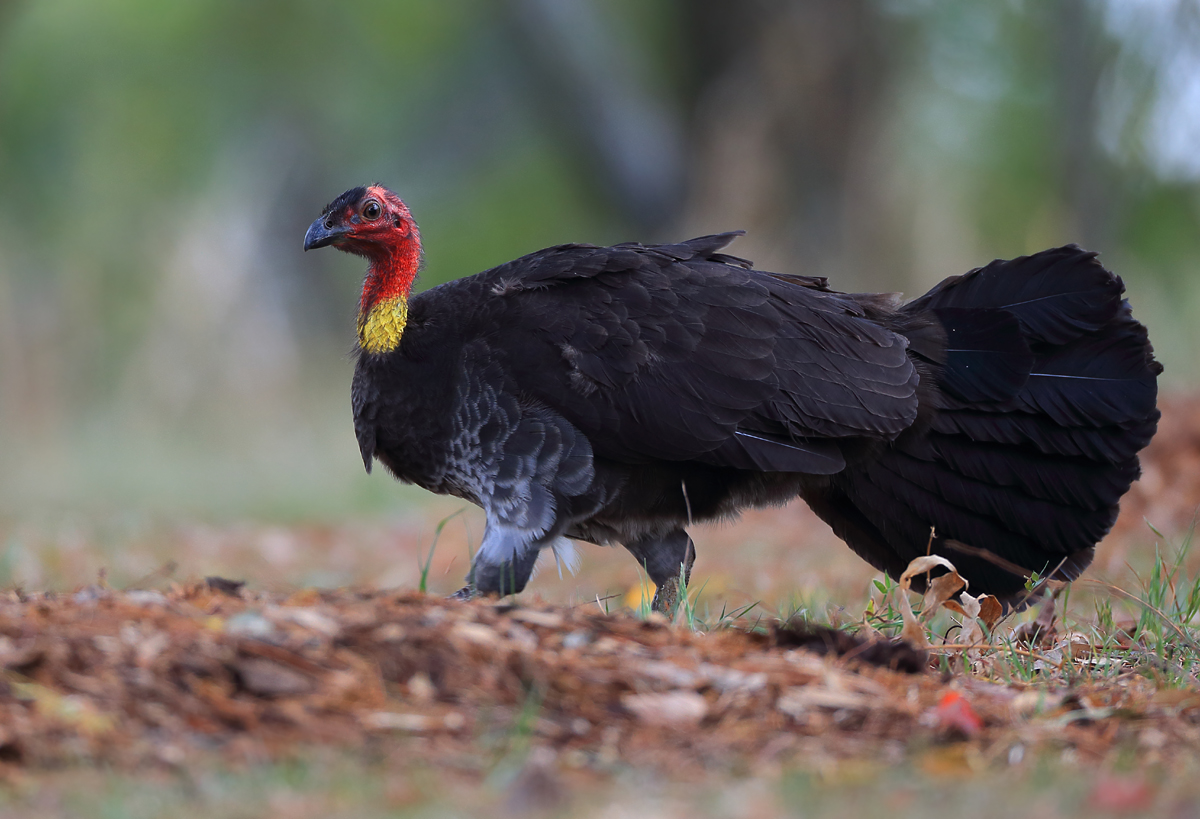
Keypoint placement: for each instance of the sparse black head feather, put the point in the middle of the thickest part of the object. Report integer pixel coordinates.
(345, 200)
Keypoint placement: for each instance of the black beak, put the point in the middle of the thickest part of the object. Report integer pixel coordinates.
(321, 233)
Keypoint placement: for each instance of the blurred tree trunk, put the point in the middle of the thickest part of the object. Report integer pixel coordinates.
(1086, 184)
(786, 110)
(594, 91)
(778, 137)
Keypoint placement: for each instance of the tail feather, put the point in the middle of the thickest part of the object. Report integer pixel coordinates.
(986, 357)
(1096, 380)
(888, 519)
(950, 500)
(1111, 444)
(1046, 391)
(1070, 481)
(1057, 295)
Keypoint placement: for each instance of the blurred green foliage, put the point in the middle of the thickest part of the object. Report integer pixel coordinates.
(164, 343)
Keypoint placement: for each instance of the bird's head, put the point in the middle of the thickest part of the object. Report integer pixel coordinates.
(373, 222)
(368, 221)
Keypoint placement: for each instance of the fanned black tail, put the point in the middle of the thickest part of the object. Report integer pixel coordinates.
(1046, 392)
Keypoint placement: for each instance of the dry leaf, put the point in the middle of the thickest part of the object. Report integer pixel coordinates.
(1041, 632)
(796, 701)
(268, 678)
(406, 723)
(923, 564)
(972, 630)
(940, 590)
(990, 611)
(246, 672)
(675, 708)
(475, 633)
(545, 619)
(913, 631)
(73, 710)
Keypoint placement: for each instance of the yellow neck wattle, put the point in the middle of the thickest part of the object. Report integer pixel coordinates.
(380, 329)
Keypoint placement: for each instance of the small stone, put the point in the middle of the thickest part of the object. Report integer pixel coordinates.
(545, 619)
(523, 637)
(270, 679)
(250, 624)
(171, 754)
(408, 723)
(674, 708)
(730, 679)
(433, 616)
(305, 617)
(146, 597)
(90, 594)
(577, 639)
(476, 633)
(389, 633)
(421, 688)
(800, 699)
(1152, 739)
(149, 649)
(669, 673)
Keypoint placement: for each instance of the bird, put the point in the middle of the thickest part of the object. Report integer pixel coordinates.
(618, 395)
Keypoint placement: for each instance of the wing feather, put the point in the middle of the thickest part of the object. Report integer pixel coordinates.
(669, 352)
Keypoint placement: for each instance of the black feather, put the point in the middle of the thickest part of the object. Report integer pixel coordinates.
(986, 356)
(1056, 294)
(350, 197)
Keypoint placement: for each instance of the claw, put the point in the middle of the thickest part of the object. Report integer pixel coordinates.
(666, 598)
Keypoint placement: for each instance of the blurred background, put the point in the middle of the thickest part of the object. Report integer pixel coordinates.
(173, 369)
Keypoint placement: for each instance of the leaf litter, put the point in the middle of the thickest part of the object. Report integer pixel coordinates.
(126, 678)
(132, 677)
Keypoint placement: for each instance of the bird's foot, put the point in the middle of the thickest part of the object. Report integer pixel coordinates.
(666, 598)
(465, 593)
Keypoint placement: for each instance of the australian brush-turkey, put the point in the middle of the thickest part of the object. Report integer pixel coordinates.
(618, 394)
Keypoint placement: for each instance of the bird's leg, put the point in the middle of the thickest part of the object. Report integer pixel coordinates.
(665, 558)
(666, 595)
(506, 577)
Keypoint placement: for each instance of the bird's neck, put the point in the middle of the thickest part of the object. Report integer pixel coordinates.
(383, 308)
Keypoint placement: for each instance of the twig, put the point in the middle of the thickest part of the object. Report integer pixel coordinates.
(989, 556)
(597, 601)
(165, 570)
(1035, 655)
(1036, 590)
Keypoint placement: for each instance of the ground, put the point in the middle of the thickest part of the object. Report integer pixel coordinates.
(328, 684)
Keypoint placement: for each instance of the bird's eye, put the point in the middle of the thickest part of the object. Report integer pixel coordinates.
(371, 211)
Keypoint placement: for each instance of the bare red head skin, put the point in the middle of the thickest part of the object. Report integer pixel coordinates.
(374, 223)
